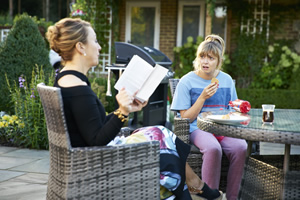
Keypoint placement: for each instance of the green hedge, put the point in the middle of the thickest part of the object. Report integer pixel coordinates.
(289, 99)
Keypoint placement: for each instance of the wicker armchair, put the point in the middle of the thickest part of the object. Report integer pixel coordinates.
(181, 130)
(108, 172)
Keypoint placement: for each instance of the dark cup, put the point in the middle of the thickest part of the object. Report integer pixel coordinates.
(268, 116)
(268, 113)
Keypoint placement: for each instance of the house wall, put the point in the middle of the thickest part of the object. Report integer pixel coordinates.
(233, 24)
(284, 23)
(122, 20)
(168, 27)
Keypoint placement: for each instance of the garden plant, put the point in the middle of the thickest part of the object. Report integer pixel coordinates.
(23, 48)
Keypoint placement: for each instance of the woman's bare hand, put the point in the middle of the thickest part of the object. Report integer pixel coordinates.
(128, 103)
(137, 105)
(209, 91)
(124, 100)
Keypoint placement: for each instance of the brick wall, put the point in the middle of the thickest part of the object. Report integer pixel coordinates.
(283, 21)
(233, 25)
(168, 27)
(122, 20)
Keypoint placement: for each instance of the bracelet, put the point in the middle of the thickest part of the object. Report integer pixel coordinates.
(122, 117)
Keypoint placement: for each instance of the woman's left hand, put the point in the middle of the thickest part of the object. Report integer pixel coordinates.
(136, 105)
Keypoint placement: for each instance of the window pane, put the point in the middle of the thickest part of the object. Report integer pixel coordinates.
(219, 20)
(142, 26)
(190, 22)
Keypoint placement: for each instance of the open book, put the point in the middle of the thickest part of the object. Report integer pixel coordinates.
(140, 76)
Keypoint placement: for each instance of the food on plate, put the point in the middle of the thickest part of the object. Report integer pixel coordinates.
(215, 80)
(226, 116)
(205, 114)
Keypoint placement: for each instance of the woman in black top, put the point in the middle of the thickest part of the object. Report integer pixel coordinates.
(88, 125)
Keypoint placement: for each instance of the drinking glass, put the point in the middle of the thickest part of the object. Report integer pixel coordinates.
(268, 113)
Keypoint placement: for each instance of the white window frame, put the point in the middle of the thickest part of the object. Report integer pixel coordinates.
(201, 25)
(156, 5)
(4, 33)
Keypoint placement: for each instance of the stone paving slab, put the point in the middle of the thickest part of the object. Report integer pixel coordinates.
(38, 166)
(4, 149)
(28, 153)
(23, 173)
(9, 162)
(34, 178)
(20, 190)
(6, 175)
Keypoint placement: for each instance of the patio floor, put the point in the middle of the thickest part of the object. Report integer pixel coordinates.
(23, 173)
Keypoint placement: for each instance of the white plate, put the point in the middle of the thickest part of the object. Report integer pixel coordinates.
(233, 119)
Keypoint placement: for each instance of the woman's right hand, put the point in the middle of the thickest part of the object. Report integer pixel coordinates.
(194, 111)
(124, 100)
(209, 91)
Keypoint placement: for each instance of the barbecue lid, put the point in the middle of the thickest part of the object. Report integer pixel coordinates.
(125, 51)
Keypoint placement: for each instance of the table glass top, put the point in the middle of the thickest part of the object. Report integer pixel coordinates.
(284, 119)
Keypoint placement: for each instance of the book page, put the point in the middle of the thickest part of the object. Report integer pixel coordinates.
(152, 82)
(136, 73)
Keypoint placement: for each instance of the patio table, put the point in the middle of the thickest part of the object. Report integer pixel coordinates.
(285, 130)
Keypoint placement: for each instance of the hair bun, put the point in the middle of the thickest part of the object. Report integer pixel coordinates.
(218, 39)
(52, 36)
(214, 38)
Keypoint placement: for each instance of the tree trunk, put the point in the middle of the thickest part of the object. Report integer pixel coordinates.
(19, 6)
(11, 8)
(47, 9)
(46, 5)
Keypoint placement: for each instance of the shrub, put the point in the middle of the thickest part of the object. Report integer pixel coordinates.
(277, 73)
(9, 127)
(29, 110)
(99, 86)
(288, 99)
(247, 59)
(295, 81)
(23, 48)
(184, 56)
(5, 20)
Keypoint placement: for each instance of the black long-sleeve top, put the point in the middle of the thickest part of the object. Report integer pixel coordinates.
(87, 122)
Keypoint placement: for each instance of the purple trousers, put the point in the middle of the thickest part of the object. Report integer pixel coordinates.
(235, 150)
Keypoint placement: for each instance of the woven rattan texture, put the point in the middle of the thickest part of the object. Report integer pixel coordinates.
(173, 83)
(181, 130)
(261, 181)
(292, 185)
(291, 179)
(264, 179)
(251, 134)
(119, 172)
